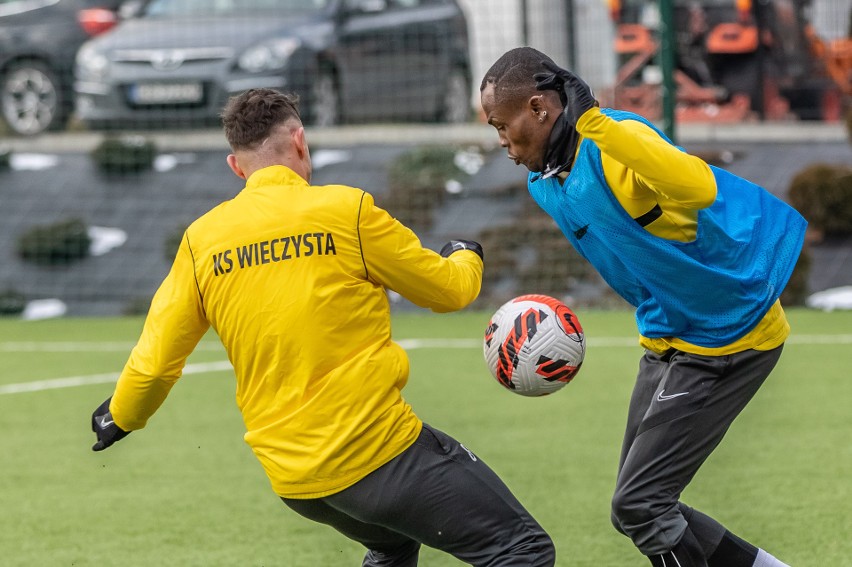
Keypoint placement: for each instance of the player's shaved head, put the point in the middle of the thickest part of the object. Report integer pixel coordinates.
(251, 118)
(263, 129)
(512, 75)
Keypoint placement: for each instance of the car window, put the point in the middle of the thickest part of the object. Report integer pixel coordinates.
(10, 7)
(169, 8)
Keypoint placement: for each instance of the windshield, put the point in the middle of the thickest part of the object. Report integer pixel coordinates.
(170, 8)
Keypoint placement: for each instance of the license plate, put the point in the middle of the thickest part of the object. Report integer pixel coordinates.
(165, 93)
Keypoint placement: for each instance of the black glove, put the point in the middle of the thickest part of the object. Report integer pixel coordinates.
(105, 428)
(577, 98)
(456, 245)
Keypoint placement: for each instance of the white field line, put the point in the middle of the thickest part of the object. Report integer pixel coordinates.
(87, 346)
(220, 366)
(614, 341)
(73, 381)
(91, 346)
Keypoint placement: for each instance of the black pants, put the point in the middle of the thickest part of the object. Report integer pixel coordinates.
(682, 406)
(440, 494)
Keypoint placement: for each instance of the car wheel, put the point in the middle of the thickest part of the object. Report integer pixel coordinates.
(31, 98)
(455, 104)
(325, 101)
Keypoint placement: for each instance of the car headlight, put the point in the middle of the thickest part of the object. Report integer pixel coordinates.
(268, 56)
(91, 63)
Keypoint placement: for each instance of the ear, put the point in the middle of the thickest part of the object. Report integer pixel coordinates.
(235, 167)
(538, 104)
(300, 143)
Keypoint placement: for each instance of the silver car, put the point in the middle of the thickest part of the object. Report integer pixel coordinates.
(178, 61)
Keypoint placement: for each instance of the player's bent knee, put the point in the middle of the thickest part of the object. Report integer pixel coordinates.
(628, 512)
(404, 555)
(536, 549)
(616, 523)
(548, 554)
(544, 554)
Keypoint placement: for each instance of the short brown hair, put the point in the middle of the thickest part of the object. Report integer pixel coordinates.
(513, 74)
(250, 117)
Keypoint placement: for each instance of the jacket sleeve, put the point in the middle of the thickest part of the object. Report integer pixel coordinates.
(174, 325)
(394, 258)
(662, 167)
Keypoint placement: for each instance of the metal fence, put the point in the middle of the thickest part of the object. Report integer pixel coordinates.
(110, 143)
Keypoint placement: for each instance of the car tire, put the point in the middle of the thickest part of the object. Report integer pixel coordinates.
(455, 106)
(325, 101)
(32, 99)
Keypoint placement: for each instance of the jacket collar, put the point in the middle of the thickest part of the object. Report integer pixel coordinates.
(274, 175)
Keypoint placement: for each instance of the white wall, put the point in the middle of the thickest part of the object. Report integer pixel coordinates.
(496, 26)
(595, 57)
(831, 18)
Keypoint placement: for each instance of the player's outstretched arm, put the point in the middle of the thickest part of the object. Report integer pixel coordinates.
(105, 429)
(394, 257)
(174, 325)
(664, 167)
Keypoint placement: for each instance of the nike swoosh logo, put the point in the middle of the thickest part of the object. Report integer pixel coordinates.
(469, 452)
(104, 422)
(662, 398)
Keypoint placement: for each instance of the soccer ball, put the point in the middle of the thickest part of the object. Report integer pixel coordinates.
(534, 345)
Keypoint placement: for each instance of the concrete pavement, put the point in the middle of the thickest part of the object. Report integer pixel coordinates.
(384, 134)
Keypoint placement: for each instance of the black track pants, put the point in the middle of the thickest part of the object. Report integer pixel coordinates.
(682, 406)
(440, 494)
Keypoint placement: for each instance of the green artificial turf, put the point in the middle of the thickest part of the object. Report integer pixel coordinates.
(186, 491)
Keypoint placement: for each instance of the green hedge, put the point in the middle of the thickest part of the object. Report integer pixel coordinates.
(532, 251)
(58, 243)
(417, 181)
(823, 194)
(5, 158)
(12, 303)
(797, 288)
(124, 154)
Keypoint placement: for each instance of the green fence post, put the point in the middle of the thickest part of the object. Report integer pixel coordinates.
(667, 66)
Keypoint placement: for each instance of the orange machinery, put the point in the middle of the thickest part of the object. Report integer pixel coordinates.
(837, 57)
(735, 61)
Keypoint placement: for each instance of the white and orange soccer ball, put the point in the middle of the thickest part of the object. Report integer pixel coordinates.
(534, 345)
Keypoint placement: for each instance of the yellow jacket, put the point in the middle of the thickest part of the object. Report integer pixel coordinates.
(293, 279)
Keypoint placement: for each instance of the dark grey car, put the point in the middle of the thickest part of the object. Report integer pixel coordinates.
(38, 41)
(348, 60)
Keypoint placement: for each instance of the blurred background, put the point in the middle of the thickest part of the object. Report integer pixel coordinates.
(110, 143)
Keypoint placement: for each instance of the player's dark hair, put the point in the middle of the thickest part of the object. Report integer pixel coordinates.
(512, 74)
(250, 117)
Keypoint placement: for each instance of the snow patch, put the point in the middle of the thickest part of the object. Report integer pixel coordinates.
(167, 162)
(43, 309)
(32, 162)
(831, 299)
(105, 239)
(323, 158)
